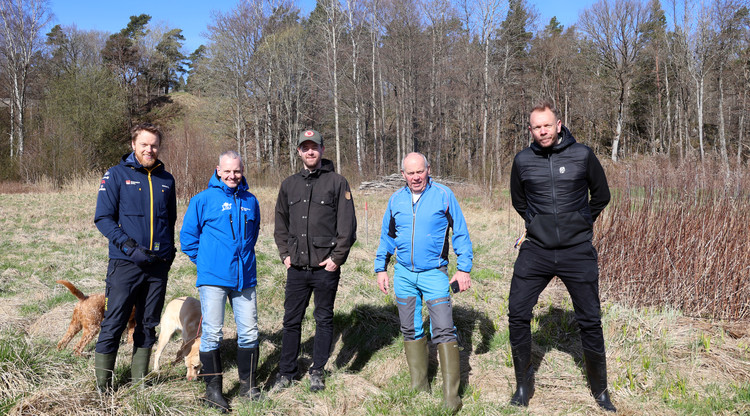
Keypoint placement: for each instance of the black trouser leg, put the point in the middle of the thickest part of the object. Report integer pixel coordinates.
(596, 372)
(524, 374)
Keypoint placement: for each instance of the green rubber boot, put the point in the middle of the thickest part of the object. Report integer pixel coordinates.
(451, 369)
(139, 365)
(104, 367)
(417, 358)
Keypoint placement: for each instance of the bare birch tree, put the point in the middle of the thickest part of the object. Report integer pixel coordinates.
(20, 38)
(614, 28)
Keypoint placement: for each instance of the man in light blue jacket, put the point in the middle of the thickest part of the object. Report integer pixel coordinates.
(218, 233)
(416, 229)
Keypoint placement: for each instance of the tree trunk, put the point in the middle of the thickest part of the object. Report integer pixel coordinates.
(699, 108)
(722, 126)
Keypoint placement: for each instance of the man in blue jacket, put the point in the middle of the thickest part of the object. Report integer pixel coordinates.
(136, 209)
(559, 188)
(416, 228)
(219, 232)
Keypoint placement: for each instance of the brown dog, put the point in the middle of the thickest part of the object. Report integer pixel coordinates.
(87, 315)
(182, 315)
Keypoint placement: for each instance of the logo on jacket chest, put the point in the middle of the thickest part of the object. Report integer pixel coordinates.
(226, 206)
(562, 170)
(129, 182)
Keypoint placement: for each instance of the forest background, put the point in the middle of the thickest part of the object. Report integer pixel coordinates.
(379, 78)
(659, 90)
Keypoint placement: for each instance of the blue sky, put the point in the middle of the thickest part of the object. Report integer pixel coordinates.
(192, 16)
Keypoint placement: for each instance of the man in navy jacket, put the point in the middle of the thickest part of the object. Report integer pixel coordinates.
(559, 188)
(416, 228)
(136, 210)
(219, 232)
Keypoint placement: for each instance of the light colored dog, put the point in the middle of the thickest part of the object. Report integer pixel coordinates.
(182, 315)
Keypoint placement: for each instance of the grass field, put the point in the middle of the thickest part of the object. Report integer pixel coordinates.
(660, 362)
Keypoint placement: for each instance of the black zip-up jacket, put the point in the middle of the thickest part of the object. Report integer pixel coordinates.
(550, 189)
(315, 217)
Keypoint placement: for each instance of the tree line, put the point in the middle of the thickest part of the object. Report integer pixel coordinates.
(453, 79)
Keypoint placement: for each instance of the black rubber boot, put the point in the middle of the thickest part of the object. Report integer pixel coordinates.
(247, 369)
(524, 374)
(451, 370)
(211, 373)
(417, 358)
(104, 367)
(596, 372)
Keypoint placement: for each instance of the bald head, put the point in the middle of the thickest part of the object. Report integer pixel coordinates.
(416, 171)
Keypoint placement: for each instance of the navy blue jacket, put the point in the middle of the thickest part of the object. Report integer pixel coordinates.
(138, 203)
(219, 232)
(418, 233)
(550, 187)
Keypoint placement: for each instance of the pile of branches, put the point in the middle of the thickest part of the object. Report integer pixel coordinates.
(396, 181)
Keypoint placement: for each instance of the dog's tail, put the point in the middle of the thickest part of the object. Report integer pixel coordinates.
(74, 290)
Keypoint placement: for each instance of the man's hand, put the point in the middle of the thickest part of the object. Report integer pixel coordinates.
(329, 265)
(464, 280)
(139, 255)
(383, 282)
(288, 262)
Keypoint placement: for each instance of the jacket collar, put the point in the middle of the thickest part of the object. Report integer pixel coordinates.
(131, 161)
(567, 140)
(325, 166)
(216, 182)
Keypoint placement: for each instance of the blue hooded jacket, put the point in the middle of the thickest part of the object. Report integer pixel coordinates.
(219, 232)
(418, 233)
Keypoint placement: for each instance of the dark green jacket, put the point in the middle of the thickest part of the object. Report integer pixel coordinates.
(315, 217)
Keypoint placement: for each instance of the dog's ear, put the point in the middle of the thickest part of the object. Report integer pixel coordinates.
(181, 353)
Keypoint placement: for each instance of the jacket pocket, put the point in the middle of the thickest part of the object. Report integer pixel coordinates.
(323, 246)
(249, 225)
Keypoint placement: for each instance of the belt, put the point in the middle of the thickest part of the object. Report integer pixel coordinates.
(309, 268)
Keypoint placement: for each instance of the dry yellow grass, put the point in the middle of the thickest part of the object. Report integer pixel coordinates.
(660, 362)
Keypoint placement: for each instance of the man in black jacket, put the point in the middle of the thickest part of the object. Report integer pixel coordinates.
(315, 227)
(550, 183)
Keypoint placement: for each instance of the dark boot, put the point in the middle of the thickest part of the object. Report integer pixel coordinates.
(524, 374)
(451, 370)
(596, 372)
(417, 358)
(211, 373)
(139, 364)
(247, 369)
(104, 367)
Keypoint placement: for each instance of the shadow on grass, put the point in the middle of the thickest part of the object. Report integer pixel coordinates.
(363, 332)
(558, 330)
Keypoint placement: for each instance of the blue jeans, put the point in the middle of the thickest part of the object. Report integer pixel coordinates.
(411, 288)
(245, 308)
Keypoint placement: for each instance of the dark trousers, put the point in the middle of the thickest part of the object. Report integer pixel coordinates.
(300, 285)
(577, 268)
(128, 285)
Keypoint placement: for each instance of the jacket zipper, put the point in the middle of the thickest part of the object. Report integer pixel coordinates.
(151, 215)
(413, 226)
(554, 196)
(239, 232)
